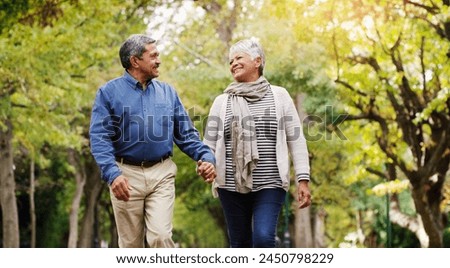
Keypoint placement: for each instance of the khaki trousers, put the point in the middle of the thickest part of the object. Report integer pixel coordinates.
(145, 220)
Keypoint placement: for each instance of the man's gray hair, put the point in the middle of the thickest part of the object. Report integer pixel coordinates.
(252, 48)
(134, 46)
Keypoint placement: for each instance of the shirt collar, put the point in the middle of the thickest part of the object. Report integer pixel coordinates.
(132, 81)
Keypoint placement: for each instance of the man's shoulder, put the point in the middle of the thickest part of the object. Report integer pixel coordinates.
(113, 83)
(165, 88)
(161, 84)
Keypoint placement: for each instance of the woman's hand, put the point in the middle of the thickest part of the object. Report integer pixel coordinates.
(206, 170)
(304, 195)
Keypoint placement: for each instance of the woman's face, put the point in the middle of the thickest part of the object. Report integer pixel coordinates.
(243, 68)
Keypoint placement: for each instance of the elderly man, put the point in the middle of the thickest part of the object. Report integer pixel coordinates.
(135, 121)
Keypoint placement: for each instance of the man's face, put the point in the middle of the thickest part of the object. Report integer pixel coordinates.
(149, 62)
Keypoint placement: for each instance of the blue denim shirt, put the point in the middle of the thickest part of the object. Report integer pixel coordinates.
(140, 125)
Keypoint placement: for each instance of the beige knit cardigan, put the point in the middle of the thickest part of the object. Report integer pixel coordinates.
(290, 139)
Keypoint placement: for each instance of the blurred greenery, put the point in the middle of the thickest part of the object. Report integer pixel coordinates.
(370, 79)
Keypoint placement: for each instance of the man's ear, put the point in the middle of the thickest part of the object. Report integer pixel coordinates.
(133, 61)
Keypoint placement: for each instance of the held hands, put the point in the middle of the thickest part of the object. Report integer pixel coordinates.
(206, 170)
(120, 188)
(304, 195)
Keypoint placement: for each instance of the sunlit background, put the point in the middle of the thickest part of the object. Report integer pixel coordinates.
(370, 79)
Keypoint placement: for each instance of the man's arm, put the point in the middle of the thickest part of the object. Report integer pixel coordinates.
(187, 137)
(101, 132)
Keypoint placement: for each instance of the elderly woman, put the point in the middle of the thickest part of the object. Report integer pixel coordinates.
(253, 128)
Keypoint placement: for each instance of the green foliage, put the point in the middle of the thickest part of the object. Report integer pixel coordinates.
(339, 221)
(401, 237)
(46, 87)
(194, 224)
(11, 11)
(194, 228)
(53, 185)
(55, 54)
(447, 237)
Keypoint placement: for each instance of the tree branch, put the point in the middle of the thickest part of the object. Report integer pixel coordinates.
(348, 86)
(384, 145)
(412, 134)
(17, 105)
(378, 173)
(356, 117)
(437, 154)
(439, 30)
(422, 65)
(433, 9)
(196, 55)
(336, 54)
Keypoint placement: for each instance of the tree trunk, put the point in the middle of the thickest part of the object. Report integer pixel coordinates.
(113, 228)
(225, 19)
(80, 179)
(92, 192)
(414, 224)
(8, 204)
(428, 183)
(319, 228)
(432, 222)
(32, 204)
(359, 227)
(303, 230)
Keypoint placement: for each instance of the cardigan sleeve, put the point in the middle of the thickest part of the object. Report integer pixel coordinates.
(295, 139)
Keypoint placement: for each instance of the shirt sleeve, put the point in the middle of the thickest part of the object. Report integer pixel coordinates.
(101, 134)
(213, 124)
(187, 137)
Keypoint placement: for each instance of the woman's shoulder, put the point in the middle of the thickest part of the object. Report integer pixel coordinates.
(220, 99)
(279, 91)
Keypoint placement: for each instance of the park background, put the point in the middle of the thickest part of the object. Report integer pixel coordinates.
(370, 79)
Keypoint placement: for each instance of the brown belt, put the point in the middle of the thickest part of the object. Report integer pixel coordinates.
(145, 164)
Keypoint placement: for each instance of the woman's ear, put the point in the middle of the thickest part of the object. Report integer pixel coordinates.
(258, 62)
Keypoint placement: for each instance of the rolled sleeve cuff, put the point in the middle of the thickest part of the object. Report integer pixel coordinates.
(303, 177)
(112, 175)
(210, 159)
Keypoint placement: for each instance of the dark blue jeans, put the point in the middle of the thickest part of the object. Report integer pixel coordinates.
(252, 218)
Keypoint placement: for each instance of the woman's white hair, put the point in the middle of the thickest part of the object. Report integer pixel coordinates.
(250, 47)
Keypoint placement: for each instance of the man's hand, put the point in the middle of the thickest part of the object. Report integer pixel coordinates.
(206, 170)
(120, 188)
(304, 195)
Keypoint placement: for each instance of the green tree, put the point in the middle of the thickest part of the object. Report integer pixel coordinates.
(55, 54)
(392, 58)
